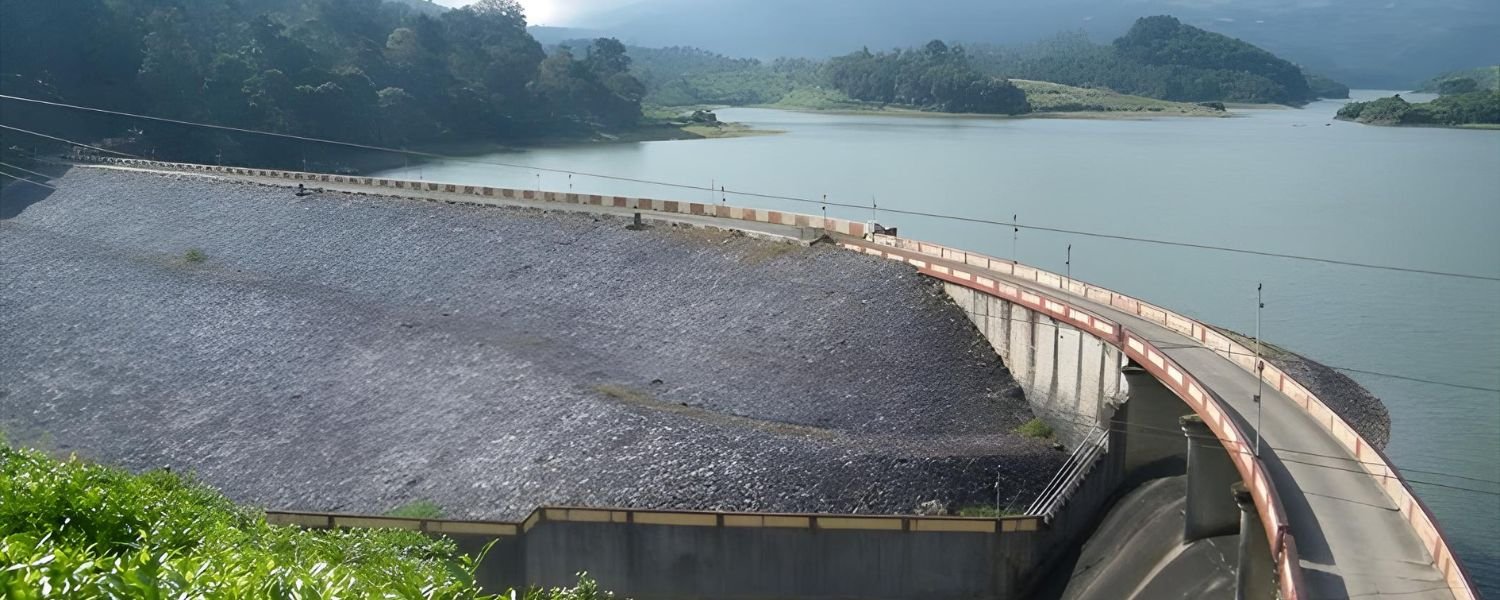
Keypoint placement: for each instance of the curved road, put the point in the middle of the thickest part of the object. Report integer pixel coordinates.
(1354, 542)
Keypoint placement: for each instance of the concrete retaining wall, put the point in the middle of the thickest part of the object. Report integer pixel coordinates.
(675, 554)
(1068, 376)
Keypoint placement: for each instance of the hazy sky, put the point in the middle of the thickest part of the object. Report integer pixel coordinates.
(554, 12)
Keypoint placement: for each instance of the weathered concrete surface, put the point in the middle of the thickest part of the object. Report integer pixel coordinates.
(1067, 377)
(347, 353)
(1138, 552)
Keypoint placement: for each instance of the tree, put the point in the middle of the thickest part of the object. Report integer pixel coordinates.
(1451, 87)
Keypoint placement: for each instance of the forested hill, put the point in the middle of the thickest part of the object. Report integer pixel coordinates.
(364, 71)
(1160, 57)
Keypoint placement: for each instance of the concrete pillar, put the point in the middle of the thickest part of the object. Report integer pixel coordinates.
(1255, 576)
(1149, 421)
(1210, 512)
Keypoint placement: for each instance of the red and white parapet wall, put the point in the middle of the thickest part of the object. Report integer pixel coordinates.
(1372, 459)
(721, 211)
(1172, 375)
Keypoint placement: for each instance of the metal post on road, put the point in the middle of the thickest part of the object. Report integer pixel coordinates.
(1015, 237)
(1260, 365)
(1068, 265)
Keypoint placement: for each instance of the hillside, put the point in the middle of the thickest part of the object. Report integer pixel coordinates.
(1161, 57)
(319, 68)
(1389, 45)
(1485, 78)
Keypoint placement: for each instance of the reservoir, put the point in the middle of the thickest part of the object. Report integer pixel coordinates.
(1287, 181)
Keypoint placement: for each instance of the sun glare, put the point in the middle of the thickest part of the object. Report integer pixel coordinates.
(540, 12)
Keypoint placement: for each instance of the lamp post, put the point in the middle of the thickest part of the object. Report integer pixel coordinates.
(1015, 236)
(1260, 365)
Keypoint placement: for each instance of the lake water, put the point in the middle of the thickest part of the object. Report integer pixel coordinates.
(1284, 180)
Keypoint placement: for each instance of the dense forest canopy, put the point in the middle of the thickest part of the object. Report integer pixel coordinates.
(357, 70)
(937, 76)
(1160, 57)
(1471, 107)
(1484, 78)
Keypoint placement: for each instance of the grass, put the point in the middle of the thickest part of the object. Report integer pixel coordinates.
(1035, 428)
(73, 529)
(1047, 97)
(194, 256)
(768, 251)
(417, 509)
(988, 512)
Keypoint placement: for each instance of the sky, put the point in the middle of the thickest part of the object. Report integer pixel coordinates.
(554, 12)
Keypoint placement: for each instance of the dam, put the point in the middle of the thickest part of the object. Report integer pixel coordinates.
(704, 413)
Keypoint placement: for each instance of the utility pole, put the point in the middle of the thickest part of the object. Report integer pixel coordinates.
(1260, 365)
(1069, 265)
(1015, 236)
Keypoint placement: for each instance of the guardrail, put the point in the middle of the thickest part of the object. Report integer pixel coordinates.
(1370, 458)
(685, 518)
(1070, 476)
(1172, 375)
(721, 211)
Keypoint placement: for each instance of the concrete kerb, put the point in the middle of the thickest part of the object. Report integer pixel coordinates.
(1169, 372)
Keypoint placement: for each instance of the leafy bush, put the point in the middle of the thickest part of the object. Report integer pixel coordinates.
(194, 256)
(75, 529)
(1035, 428)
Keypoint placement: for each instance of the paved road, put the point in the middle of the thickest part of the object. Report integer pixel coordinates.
(1354, 542)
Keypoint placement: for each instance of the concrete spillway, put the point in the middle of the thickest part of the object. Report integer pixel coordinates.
(347, 353)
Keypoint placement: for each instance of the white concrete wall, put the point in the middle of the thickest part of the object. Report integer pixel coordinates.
(1068, 375)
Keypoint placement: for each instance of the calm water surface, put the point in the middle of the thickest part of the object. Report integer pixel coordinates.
(1285, 180)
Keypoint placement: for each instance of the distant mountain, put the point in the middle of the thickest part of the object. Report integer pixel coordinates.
(1396, 43)
(1485, 78)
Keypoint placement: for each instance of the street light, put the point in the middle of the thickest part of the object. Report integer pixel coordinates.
(1260, 365)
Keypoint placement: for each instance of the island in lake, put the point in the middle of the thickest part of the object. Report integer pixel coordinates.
(1465, 99)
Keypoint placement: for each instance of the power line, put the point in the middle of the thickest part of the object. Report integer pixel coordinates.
(4, 174)
(1231, 352)
(823, 202)
(58, 139)
(6, 164)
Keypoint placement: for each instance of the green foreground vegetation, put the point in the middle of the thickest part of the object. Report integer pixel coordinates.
(71, 529)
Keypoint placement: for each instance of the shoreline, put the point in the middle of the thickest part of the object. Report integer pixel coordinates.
(1467, 126)
(1101, 115)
